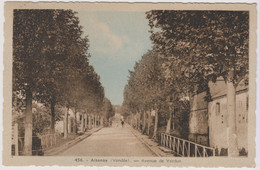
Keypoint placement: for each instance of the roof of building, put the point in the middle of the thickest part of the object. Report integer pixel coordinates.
(219, 88)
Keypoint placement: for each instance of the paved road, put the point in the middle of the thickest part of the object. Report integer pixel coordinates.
(110, 141)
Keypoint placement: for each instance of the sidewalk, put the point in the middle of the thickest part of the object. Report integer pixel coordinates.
(151, 144)
(56, 150)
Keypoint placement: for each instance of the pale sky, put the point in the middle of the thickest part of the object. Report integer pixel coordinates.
(117, 41)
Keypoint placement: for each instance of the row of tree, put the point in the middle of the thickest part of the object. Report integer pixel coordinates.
(190, 48)
(51, 66)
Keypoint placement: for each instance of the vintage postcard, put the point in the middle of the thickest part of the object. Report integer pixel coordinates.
(129, 84)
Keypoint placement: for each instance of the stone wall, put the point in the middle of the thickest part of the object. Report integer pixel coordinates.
(198, 121)
(218, 121)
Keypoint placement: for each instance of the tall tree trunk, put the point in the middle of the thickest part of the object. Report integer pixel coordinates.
(66, 124)
(102, 120)
(231, 109)
(53, 102)
(144, 122)
(173, 116)
(86, 121)
(89, 121)
(82, 123)
(136, 121)
(139, 121)
(75, 122)
(168, 127)
(155, 124)
(69, 125)
(28, 124)
(131, 120)
(149, 122)
(97, 121)
(94, 121)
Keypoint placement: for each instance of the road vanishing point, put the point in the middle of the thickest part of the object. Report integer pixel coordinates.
(116, 141)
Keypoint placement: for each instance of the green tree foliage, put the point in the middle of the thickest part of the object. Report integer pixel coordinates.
(41, 120)
(200, 46)
(148, 90)
(108, 110)
(50, 64)
(146, 84)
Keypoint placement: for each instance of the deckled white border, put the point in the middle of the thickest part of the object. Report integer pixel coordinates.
(257, 161)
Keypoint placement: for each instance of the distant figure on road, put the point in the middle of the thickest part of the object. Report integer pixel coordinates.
(122, 123)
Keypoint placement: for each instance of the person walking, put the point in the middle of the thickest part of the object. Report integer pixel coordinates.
(122, 122)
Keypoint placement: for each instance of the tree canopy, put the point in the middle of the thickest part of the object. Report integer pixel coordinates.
(51, 64)
(201, 45)
(190, 48)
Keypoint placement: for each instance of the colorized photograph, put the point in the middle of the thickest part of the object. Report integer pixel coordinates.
(155, 83)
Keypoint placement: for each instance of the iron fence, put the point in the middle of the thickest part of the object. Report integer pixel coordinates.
(185, 148)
